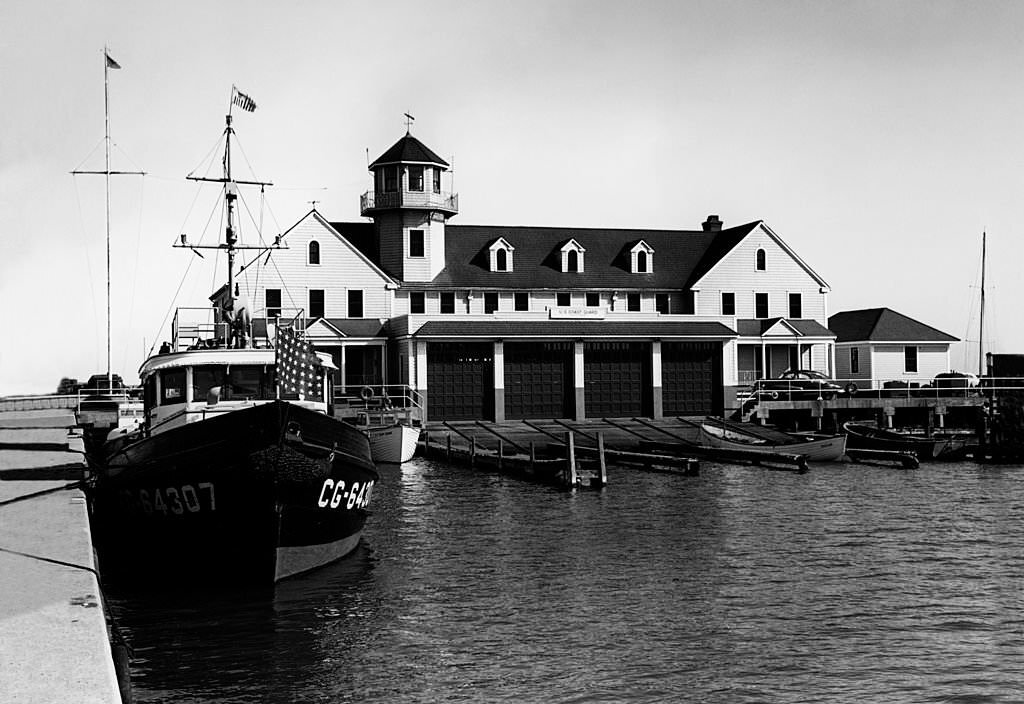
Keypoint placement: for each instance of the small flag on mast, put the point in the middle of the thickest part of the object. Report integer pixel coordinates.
(295, 371)
(110, 62)
(244, 101)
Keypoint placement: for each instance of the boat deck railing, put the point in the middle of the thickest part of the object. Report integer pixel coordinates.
(379, 403)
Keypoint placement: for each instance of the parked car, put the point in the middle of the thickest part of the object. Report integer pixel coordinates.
(799, 385)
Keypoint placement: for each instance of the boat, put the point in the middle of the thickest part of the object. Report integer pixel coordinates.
(239, 472)
(730, 436)
(391, 432)
(860, 436)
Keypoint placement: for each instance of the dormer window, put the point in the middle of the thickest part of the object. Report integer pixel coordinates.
(641, 258)
(572, 257)
(314, 252)
(760, 264)
(501, 255)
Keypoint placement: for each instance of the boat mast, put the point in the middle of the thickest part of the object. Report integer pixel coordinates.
(981, 323)
(108, 63)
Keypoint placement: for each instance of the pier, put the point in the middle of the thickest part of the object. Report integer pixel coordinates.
(55, 645)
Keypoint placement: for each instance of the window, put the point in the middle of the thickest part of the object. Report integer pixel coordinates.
(522, 301)
(316, 303)
(564, 299)
(593, 300)
(760, 264)
(661, 302)
(390, 179)
(437, 179)
(572, 260)
(633, 302)
(501, 260)
(854, 360)
(490, 301)
(172, 386)
(415, 178)
(641, 262)
(416, 248)
(728, 303)
(448, 302)
(273, 302)
(314, 252)
(910, 360)
(355, 304)
(796, 308)
(760, 305)
(689, 302)
(416, 303)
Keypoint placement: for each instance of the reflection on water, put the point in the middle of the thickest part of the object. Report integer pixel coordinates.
(741, 585)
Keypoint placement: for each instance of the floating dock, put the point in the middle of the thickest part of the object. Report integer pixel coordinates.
(55, 645)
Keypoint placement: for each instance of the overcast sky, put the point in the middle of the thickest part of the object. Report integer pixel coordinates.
(878, 139)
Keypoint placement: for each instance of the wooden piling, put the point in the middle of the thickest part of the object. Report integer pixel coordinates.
(449, 447)
(533, 457)
(501, 452)
(602, 476)
(570, 447)
(472, 451)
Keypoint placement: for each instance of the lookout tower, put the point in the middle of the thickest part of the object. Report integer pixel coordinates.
(409, 208)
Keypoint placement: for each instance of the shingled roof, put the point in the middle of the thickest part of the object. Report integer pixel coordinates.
(883, 325)
(409, 150)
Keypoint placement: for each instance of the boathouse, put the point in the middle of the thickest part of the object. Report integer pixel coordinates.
(501, 322)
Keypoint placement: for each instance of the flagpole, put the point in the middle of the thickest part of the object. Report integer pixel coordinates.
(106, 122)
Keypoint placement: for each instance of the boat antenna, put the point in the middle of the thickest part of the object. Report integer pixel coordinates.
(981, 322)
(108, 63)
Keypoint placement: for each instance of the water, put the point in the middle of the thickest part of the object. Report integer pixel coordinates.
(847, 584)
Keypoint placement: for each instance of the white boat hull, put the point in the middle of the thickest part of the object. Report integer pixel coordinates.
(393, 444)
(831, 449)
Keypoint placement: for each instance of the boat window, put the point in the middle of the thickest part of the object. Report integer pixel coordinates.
(249, 381)
(149, 391)
(205, 378)
(172, 382)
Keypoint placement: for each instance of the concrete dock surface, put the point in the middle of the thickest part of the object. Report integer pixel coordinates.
(54, 644)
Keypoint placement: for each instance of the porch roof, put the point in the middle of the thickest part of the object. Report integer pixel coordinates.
(708, 330)
(803, 327)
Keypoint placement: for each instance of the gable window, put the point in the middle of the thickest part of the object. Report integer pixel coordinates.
(415, 178)
(390, 179)
(437, 179)
(854, 360)
(641, 262)
(522, 301)
(760, 263)
(728, 303)
(273, 302)
(760, 305)
(448, 302)
(661, 302)
(564, 299)
(572, 261)
(796, 308)
(416, 248)
(501, 260)
(490, 301)
(417, 306)
(355, 303)
(593, 299)
(316, 303)
(633, 302)
(910, 359)
(314, 252)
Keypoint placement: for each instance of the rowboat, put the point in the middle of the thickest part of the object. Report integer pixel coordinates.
(829, 448)
(867, 437)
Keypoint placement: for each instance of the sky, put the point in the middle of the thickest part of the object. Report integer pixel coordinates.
(878, 139)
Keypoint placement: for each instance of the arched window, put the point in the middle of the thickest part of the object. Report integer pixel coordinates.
(641, 262)
(314, 252)
(572, 261)
(760, 260)
(501, 260)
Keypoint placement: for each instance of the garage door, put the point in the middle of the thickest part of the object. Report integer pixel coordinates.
(617, 379)
(460, 381)
(691, 378)
(538, 380)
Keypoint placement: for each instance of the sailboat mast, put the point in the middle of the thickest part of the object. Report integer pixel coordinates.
(981, 323)
(230, 193)
(106, 169)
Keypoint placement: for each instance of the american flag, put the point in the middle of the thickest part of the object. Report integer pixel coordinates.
(242, 100)
(295, 371)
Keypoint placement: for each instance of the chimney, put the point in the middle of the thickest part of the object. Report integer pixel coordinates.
(712, 224)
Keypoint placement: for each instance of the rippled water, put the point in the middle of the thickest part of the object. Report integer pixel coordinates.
(847, 584)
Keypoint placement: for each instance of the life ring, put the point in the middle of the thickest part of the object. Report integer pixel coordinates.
(366, 393)
(774, 395)
(850, 388)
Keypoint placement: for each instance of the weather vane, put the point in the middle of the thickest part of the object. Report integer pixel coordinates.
(408, 122)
